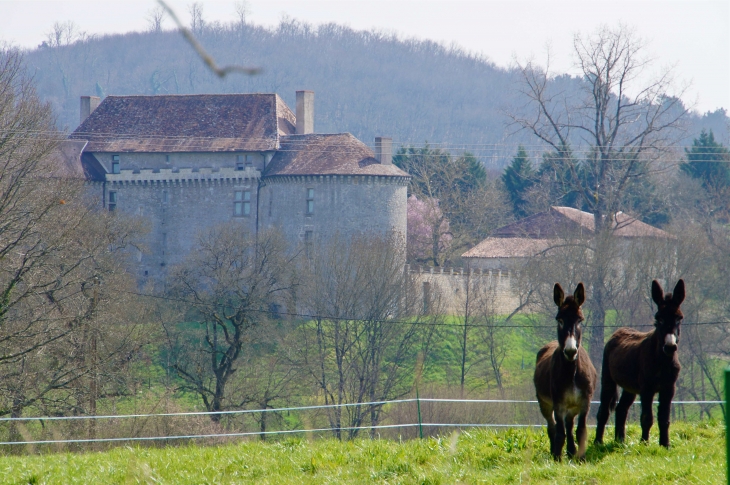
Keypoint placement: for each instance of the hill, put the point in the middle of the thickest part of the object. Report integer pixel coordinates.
(367, 82)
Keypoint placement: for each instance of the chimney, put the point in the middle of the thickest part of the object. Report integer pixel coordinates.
(88, 105)
(305, 112)
(384, 150)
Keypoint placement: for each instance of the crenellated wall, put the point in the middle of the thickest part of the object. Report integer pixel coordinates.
(444, 290)
(176, 207)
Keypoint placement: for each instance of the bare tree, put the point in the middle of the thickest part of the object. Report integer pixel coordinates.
(197, 23)
(243, 10)
(64, 34)
(227, 286)
(619, 127)
(155, 17)
(362, 343)
(62, 264)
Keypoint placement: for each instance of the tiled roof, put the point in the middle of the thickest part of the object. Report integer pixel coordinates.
(565, 221)
(66, 160)
(539, 232)
(508, 247)
(187, 123)
(318, 154)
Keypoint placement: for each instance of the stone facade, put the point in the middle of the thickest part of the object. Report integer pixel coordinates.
(309, 207)
(178, 206)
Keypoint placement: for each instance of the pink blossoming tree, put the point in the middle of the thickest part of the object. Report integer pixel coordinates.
(429, 236)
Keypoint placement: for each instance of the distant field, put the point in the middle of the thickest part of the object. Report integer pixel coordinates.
(478, 456)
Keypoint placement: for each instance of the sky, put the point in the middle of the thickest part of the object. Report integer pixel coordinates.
(690, 36)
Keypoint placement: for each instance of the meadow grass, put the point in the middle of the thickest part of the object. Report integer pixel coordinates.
(472, 456)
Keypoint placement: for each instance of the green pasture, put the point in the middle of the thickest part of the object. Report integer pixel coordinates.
(472, 456)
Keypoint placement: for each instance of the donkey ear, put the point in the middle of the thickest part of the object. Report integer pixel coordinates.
(657, 294)
(678, 294)
(558, 294)
(580, 294)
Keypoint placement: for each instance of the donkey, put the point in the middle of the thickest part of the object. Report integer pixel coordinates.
(565, 377)
(643, 363)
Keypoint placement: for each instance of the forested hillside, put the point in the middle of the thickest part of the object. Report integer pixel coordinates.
(367, 83)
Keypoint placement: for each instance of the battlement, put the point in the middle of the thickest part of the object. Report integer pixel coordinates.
(450, 284)
(496, 273)
(183, 175)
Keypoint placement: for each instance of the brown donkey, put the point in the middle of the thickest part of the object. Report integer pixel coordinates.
(565, 377)
(643, 363)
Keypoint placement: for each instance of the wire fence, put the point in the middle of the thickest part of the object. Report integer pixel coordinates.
(402, 418)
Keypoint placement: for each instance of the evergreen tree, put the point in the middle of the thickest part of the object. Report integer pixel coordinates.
(708, 161)
(562, 173)
(517, 178)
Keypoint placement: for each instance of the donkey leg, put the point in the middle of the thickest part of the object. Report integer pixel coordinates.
(582, 435)
(622, 412)
(547, 412)
(609, 395)
(569, 434)
(647, 414)
(665, 406)
(559, 440)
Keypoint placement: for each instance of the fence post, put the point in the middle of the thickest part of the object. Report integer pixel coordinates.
(418, 408)
(727, 422)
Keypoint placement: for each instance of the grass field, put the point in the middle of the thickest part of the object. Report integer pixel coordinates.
(475, 456)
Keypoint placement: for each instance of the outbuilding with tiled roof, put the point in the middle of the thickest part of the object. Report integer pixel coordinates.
(514, 243)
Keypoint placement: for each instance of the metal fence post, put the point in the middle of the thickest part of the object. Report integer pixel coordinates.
(727, 422)
(418, 408)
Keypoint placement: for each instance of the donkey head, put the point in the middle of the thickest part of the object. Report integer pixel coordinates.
(569, 317)
(668, 316)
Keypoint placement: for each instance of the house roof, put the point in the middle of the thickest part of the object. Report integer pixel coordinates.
(539, 232)
(66, 160)
(508, 247)
(187, 123)
(327, 154)
(560, 222)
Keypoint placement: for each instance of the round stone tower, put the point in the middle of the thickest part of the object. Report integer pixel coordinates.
(320, 185)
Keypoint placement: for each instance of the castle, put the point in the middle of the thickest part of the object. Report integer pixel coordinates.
(187, 163)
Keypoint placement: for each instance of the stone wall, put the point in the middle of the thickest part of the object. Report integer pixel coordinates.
(444, 289)
(177, 207)
(340, 204)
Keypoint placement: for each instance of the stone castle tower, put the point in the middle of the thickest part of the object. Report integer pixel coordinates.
(186, 163)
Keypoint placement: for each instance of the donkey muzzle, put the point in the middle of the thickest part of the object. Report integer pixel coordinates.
(571, 349)
(670, 344)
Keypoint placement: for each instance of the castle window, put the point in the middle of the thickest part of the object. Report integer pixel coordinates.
(239, 162)
(112, 201)
(115, 163)
(164, 196)
(310, 201)
(308, 243)
(249, 160)
(242, 203)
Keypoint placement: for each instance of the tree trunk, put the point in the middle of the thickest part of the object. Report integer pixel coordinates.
(263, 424)
(598, 329)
